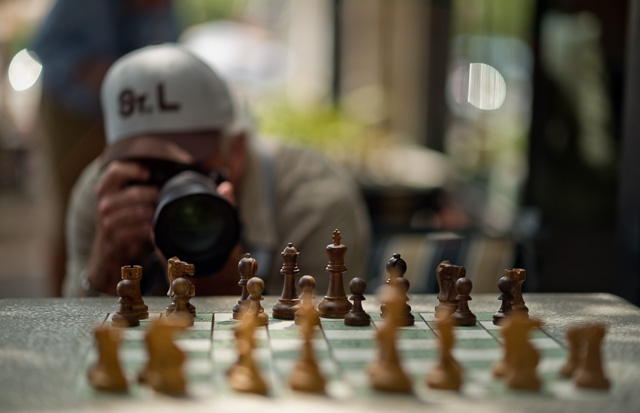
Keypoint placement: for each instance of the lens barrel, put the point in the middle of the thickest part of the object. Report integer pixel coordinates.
(194, 223)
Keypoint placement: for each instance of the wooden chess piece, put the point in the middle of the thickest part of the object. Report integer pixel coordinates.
(406, 319)
(518, 367)
(396, 267)
(306, 375)
(447, 373)
(505, 285)
(590, 373)
(164, 368)
(446, 275)
(244, 375)
(463, 315)
(134, 273)
(125, 316)
(175, 269)
(386, 373)
(357, 317)
(517, 276)
(247, 267)
(335, 303)
(285, 308)
(106, 374)
(181, 288)
(255, 286)
(575, 352)
(307, 285)
(523, 375)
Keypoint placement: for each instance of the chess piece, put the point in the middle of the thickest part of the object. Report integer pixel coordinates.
(285, 308)
(447, 373)
(164, 368)
(255, 286)
(386, 372)
(517, 276)
(181, 288)
(518, 367)
(244, 375)
(575, 350)
(396, 267)
(463, 315)
(106, 374)
(406, 319)
(357, 317)
(134, 273)
(306, 375)
(590, 373)
(247, 267)
(175, 269)
(125, 316)
(307, 285)
(505, 285)
(446, 275)
(335, 303)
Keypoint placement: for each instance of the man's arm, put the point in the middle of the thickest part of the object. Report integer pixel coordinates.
(109, 222)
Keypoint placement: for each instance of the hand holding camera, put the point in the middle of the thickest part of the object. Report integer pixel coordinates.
(181, 205)
(125, 215)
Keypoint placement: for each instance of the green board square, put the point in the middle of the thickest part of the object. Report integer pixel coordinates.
(403, 334)
(484, 317)
(477, 343)
(203, 317)
(337, 343)
(418, 354)
(224, 325)
(194, 334)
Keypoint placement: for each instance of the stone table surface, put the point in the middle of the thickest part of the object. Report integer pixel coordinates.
(44, 341)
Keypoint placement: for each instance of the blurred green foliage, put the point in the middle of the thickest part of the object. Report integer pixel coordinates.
(323, 127)
(192, 12)
(503, 17)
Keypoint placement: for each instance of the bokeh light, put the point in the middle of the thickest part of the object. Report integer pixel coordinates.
(487, 88)
(24, 70)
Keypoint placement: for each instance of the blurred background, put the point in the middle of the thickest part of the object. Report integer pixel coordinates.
(493, 133)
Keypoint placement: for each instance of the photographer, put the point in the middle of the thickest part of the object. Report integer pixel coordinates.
(165, 110)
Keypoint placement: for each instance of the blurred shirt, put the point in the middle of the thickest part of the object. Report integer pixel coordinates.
(288, 194)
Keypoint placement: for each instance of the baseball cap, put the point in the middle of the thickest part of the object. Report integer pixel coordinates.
(163, 102)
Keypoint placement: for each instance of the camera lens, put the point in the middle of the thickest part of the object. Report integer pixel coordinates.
(194, 223)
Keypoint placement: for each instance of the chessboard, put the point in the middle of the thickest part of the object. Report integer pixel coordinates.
(47, 346)
(343, 354)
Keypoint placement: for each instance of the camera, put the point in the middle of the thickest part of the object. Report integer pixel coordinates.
(192, 221)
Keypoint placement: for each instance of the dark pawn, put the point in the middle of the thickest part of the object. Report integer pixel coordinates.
(247, 267)
(407, 318)
(357, 317)
(307, 286)
(126, 316)
(255, 286)
(396, 267)
(181, 288)
(504, 285)
(463, 315)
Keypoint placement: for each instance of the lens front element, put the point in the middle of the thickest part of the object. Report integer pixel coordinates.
(194, 223)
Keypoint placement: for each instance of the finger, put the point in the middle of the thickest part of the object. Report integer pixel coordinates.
(117, 174)
(225, 189)
(128, 197)
(135, 217)
(125, 238)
